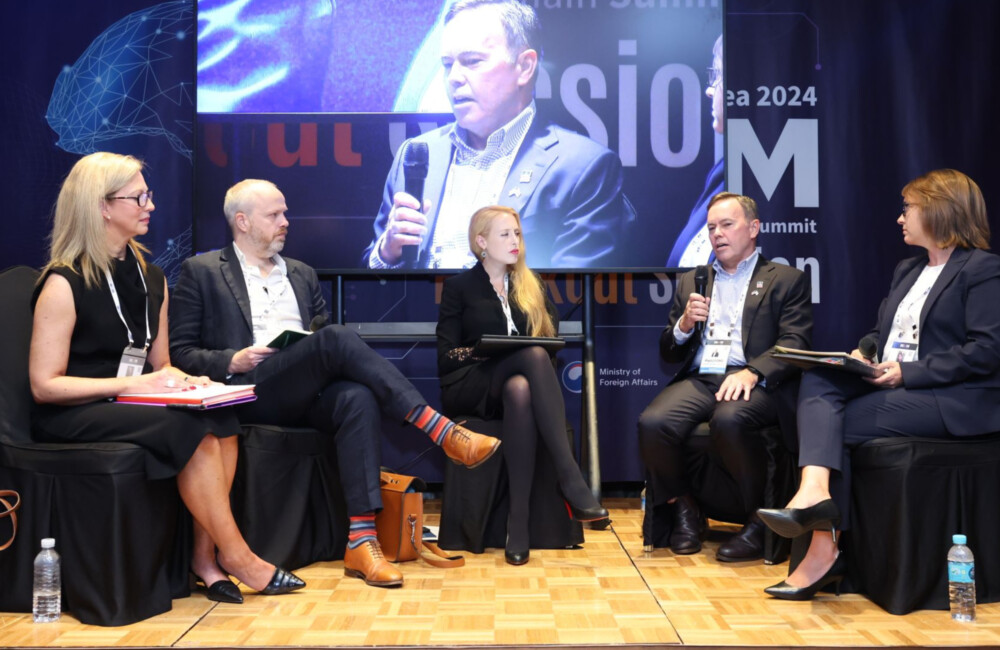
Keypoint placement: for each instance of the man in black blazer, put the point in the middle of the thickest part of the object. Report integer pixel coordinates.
(229, 304)
(723, 340)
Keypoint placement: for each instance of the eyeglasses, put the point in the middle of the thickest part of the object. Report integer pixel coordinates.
(714, 77)
(906, 207)
(142, 199)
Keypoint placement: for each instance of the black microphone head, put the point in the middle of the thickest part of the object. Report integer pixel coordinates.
(700, 279)
(318, 322)
(868, 346)
(415, 158)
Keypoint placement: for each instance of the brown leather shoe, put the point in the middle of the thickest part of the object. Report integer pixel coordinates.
(468, 447)
(367, 562)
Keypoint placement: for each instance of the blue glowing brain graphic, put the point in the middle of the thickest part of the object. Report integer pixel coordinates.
(133, 80)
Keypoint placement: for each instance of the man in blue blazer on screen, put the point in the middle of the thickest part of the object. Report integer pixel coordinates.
(227, 309)
(566, 187)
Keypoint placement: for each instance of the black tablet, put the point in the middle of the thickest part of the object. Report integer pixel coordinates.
(494, 344)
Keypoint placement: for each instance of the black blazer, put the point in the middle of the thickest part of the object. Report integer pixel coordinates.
(469, 309)
(777, 311)
(959, 338)
(210, 318)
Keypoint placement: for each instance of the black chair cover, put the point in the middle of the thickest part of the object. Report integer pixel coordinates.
(908, 497)
(475, 503)
(123, 539)
(287, 497)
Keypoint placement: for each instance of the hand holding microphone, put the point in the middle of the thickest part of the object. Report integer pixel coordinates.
(407, 224)
(696, 310)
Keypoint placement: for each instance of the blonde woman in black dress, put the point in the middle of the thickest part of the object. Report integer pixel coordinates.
(100, 330)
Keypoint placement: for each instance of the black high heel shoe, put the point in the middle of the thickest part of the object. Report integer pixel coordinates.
(221, 591)
(511, 553)
(596, 516)
(792, 522)
(835, 574)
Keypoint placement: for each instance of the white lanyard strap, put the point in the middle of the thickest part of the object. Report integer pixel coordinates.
(118, 306)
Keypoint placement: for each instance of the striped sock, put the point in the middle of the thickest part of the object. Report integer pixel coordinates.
(362, 530)
(430, 422)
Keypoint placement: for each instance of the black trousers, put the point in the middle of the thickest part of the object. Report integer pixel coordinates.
(839, 411)
(666, 424)
(332, 381)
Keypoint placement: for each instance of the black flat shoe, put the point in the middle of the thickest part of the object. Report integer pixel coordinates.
(834, 575)
(283, 582)
(792, 522)
(221, 591)
(517, 558)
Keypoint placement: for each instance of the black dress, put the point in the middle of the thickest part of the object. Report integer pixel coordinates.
(99, 337)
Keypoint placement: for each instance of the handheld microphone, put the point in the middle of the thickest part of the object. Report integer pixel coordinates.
(318, 322)
(415, 158)
(868, 347)
(700, 286)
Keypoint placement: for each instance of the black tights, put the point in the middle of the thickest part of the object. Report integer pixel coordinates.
(533, 407)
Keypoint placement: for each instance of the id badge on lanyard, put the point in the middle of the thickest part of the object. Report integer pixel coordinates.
(902, 352)
(715, 358)
(133, 358)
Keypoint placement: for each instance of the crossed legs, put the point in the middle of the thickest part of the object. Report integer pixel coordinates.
(204, 486)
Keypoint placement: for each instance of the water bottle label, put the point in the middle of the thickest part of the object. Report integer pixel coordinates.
(961, 572)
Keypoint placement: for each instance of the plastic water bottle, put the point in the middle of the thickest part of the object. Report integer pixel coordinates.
(961, 580)
(47, 601)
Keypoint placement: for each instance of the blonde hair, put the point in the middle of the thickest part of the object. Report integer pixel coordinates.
(526, 289)
(952, 208)
(79, 235)
(241, 197)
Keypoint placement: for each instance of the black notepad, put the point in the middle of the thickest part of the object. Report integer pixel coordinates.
(494, 344)
(810, 359)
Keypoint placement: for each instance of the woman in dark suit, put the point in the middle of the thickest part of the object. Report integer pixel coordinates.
(500, 295)
(938, 336)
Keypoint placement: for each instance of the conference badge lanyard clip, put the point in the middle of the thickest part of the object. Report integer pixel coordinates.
(133, 358)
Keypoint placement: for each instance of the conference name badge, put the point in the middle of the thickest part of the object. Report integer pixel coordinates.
(716, 357)
(132, 362)
(902, 352)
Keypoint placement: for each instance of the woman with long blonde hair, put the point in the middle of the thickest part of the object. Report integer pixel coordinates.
(501, 295)
(100, 330)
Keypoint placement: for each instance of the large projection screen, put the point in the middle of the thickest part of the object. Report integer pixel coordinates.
(319, 96)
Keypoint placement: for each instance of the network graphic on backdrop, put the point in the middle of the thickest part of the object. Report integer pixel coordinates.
(111, 91)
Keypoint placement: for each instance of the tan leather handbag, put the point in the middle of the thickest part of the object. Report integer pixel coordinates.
(400, 524)
(10, 511)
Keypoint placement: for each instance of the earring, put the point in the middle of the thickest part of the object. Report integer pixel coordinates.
(483, 255)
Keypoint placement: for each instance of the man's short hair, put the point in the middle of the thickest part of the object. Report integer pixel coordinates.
(749, 205)
(519, 19)
(240, 197)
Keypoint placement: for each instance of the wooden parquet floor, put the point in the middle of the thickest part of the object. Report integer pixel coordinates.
(608, 593)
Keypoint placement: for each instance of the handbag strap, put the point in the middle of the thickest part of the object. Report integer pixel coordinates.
(11, 511)
(432, 554)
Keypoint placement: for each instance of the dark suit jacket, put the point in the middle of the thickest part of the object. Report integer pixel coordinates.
(779, 313)
(210, 317)
(469, 309)
(959, 338)
(566, 187)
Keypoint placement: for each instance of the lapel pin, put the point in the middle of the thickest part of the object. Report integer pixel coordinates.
(515, 192)
(526, 176)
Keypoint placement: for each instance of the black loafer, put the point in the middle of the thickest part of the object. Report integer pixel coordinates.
(746, 545)
(283, 582)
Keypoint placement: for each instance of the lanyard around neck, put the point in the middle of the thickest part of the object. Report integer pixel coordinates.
(118, 306)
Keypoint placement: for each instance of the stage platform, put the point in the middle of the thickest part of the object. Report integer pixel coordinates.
(609, 593)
